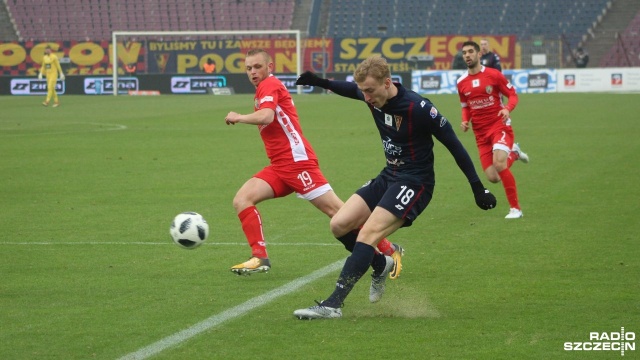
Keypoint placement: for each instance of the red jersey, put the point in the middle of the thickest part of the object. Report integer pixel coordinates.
(481, 100)
(283, 139)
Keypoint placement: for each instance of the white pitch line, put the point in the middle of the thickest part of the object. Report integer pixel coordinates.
(234, 312)
(111, 127)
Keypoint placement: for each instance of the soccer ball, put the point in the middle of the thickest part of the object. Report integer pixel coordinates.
(189, 230)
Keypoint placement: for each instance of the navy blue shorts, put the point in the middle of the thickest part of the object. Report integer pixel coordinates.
(405, 200)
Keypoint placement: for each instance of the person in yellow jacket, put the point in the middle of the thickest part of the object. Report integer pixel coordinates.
(51, 67)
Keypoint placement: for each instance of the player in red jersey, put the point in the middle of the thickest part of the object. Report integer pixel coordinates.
(480, 91)
(293, 167)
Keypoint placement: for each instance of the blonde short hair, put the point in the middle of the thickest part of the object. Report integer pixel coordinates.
(265, 54)
(375, 67)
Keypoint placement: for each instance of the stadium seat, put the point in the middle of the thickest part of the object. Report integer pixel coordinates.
(144, 15)
(416, 17)
(630, 55)
(98, 18)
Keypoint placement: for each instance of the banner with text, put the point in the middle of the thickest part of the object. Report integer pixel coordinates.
(445, 82)
(76, 57)
(595, 80)
(340, 55)
(415, 53)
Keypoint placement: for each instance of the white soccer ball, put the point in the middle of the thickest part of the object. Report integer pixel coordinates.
(189, 230)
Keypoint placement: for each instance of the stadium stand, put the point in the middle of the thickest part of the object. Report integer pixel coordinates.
(575, 22)
(7, 30)
(626, 51)
(439, 17)
(95, 19)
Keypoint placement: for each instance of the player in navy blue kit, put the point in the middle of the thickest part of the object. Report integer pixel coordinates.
(407, 124)
(489, 58)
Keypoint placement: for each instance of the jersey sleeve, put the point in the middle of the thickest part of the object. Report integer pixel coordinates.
(447, 137)
(346, 89)
(56, 62)
(442, 130)
(267, 96)
(508, 90)
(466, 114)
(437, 123)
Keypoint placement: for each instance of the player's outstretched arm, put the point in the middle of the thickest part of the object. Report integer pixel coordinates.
(483, 197)
(311, 79)
(342, 88)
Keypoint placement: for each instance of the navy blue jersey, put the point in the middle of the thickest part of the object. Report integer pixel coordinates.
(407, 124)
(491, 60)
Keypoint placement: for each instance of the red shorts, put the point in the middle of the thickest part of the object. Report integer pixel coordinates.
(303, 178)
(499, 139)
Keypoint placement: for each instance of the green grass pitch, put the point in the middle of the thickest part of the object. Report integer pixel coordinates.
(87, 192)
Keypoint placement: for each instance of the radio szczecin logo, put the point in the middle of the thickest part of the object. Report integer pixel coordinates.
(606, 341)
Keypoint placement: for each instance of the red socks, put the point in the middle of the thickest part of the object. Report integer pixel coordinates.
(386, 247)
(509, 184)
(252, 227)
(513, 156)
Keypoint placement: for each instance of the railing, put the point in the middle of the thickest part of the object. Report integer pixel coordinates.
(621, 44)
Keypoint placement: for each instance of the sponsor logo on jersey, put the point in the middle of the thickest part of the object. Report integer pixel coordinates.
(395, 162)
(398, 120)
(481, 103)
(388, 120)
(390, 148)
(433, 112)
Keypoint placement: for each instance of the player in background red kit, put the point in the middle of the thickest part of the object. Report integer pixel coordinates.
(480, 92)
(293, 168)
